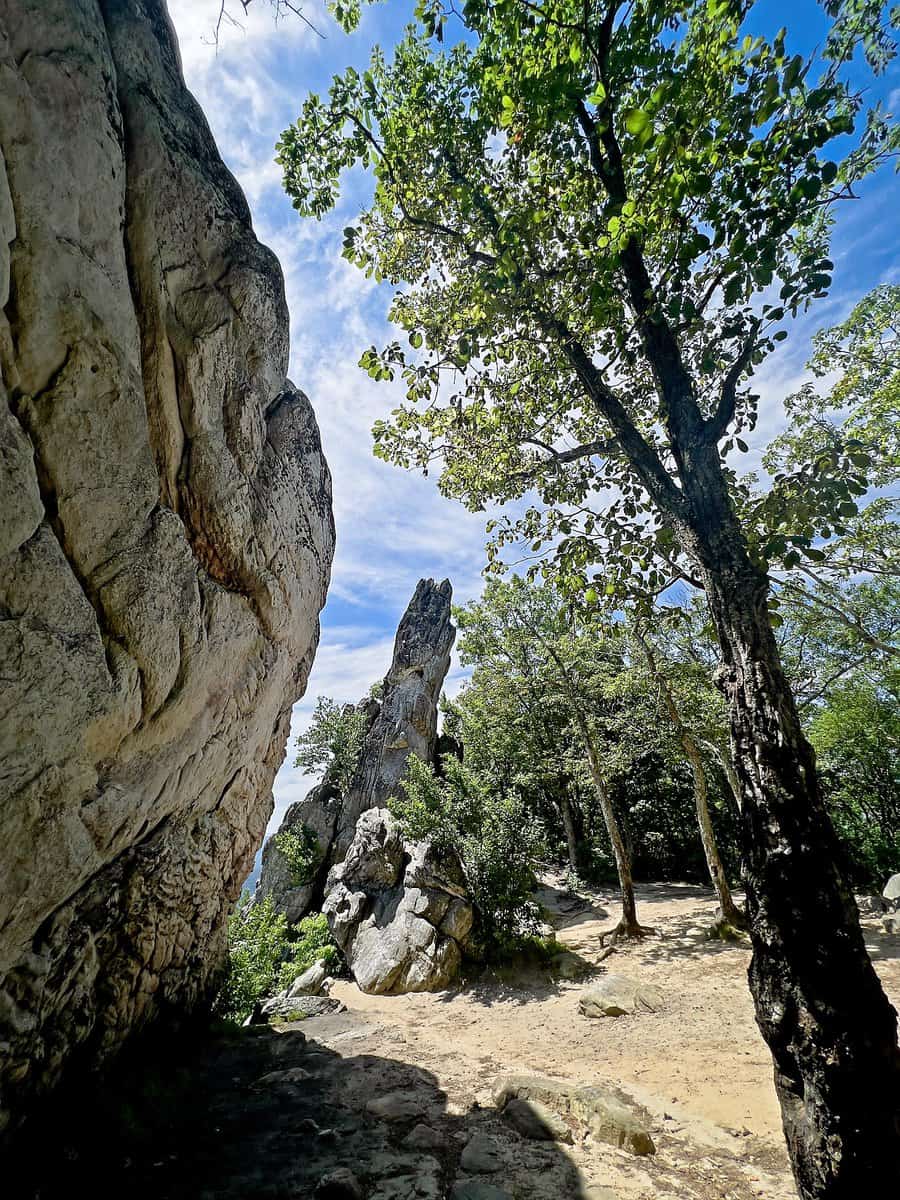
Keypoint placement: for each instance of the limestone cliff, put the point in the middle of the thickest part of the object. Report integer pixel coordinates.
(404, 722)
(165, 535)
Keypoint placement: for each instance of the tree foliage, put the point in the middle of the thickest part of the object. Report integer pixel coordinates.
(334, 741)
(497, 839)
(565, 196)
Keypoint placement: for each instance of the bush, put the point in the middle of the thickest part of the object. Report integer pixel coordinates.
(313, 943)
(257, 939)
(265, 957)
(856, 736)
(497, 839)
(301, 851)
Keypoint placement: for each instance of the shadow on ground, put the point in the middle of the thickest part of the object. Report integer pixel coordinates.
(265, 1114)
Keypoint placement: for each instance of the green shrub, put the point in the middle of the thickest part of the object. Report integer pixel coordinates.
(856, 735)
(333, 741)
(497, 839)
(265, 956)
(257, 939)
(313, 943)
(301, 851)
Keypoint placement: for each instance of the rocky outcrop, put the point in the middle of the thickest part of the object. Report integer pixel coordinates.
(406, 722)
(403, 722)
(165, 535)
(399, 911)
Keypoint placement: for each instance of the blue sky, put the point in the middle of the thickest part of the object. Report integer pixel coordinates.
(392, 526)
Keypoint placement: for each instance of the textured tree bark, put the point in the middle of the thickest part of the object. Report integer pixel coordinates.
(819, 1003)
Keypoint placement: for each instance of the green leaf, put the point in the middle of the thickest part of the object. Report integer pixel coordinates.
(636, 120)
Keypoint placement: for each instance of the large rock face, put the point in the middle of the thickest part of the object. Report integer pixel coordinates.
(403, 723)
(399, 911)
(165, 535)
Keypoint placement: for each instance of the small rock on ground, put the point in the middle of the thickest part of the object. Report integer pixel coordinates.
(474, 1189)
(340, 1184)
(617, 996)
(481, 1155)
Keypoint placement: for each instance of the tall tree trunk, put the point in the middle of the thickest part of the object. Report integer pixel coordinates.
(629, 926)
(819, 1003)
(730, 911)
(724, 761)
(573, 824)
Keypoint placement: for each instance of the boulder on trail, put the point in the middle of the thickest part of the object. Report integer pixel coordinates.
(618, 996)
(399, 911)
(536, 1121)
(313, 981)
(891, 891)
(606, 1117)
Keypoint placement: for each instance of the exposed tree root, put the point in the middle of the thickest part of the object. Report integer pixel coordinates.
(625, 931)
(725, 930)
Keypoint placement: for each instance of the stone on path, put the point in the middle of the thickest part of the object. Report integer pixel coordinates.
(396, 1106)
(618, 996)
(481, 1155)
(340, 1184)
(535, 1120)
(892, 890)
(604, 1115)
(474, 1189)
(423, 1137)
(311, 982)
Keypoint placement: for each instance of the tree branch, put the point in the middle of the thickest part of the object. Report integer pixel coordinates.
(725, 409)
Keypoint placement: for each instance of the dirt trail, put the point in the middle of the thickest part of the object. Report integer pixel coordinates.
(699, 1065)
(396, 1090)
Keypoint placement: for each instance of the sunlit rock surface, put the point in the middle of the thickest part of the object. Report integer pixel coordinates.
(403, 722)
(165, 535)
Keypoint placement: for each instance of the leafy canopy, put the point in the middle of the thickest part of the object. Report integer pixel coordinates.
(486, 822)
(599, 217)
(333, 741)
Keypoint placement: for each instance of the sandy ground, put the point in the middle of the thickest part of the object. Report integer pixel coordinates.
(699, 1065)
(270, 1113)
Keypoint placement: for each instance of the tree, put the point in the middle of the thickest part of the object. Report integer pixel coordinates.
(857, 739)
(526, 633)
(484, 820)
(511, 729)
(602, 214)
(674, 699)
(333, 741)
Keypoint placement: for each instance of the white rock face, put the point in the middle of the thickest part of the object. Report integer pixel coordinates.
(399, 911)
(165, 535)
(402, 723)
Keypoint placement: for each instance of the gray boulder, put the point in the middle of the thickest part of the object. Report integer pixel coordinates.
(297, 1008)
(313, 982)
(606, 1115)
(617, 996)
(891, 891)
(399, 911)
(535, 1120)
